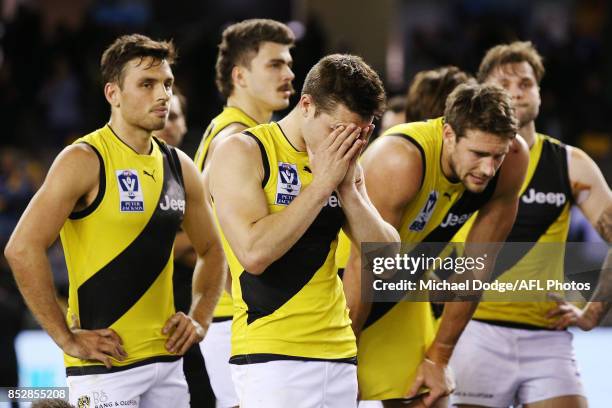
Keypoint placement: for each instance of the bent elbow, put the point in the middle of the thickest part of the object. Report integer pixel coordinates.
(395, 236)
(12, 251)
(391, 234)
(15, 253)
(254, 263)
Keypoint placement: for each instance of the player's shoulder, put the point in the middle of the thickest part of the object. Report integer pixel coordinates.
(237, 146)
(76, 167)
(422, 128)
(394, 149)
(580, 164)
(403, 142)
(81, 153)
(232, 128)
(394, 157)
(576, 157)
(549, 139)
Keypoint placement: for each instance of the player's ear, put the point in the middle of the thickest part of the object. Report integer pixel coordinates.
(448, 134)
(306, 105)
(238, 77)
(111, 92)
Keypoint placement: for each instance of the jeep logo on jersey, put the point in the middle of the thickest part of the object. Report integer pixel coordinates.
(453, 220)
(288, 185)
(422, 219)
(173, 204)
(532, 196)
(130, 192)
(333, 201)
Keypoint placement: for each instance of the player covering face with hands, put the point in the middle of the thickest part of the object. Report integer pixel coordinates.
(292, 342)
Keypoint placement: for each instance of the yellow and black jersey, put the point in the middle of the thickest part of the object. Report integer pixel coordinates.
(543, 217)
(387, 364)
(296, 308)
(119, 250)
(228, 116)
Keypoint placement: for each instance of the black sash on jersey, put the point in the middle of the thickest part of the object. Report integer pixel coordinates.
(113, 290)
(468, 203)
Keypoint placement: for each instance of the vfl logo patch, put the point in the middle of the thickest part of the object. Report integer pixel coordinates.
(422, 219)
(288, 185)
(83, 402)
(130, 191)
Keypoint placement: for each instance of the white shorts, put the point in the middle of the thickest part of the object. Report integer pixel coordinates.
(216, 349)
(149, 386)
(498, 366)
(290, 383)
(370, 404)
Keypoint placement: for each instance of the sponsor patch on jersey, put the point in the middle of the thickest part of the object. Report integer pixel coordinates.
(83, 401)
(333, 201)
(423, 217)
(453, 220)
(174, 204)
(288, 185)
(130, 191)
(532, 196)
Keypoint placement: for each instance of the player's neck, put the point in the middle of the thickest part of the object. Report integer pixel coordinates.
(137, 138)
(250, 107)
(528, 132)
(290, 126)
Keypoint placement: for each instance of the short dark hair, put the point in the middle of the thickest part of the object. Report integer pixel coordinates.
(346, 79)
(128, 47)
(240, 44)
(483, 107)
(426, 96)
(518, 51)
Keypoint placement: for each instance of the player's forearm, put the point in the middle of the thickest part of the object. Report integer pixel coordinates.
(601, 300)
(364, 222)
(182, 244)
(208, 283)
(596, 311)
(33, 275)
(454, 319)
(272, 236)
(359, 307)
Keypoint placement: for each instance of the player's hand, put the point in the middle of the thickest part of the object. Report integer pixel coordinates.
(330, 161)
(99, 345)
(184, 332)
(354, 173)
(435, 376)
(568, 314)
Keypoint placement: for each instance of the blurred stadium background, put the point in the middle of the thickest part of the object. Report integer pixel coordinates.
(51, 93)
